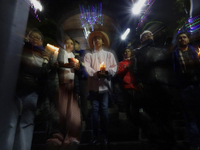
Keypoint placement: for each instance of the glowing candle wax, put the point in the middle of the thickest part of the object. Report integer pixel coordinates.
(53, 49)
(102, 67)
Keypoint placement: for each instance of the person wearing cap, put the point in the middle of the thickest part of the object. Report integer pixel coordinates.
(99, 82)
(152, 75)
(187, 76)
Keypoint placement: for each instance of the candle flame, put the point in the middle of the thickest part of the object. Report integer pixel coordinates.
(102, 63)
(102, 66)
(76, 60)
(199, 53)
(53, 47)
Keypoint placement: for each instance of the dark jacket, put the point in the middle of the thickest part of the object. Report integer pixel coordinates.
(192, 74)
(152, 64)
(32, 67)
(81, 73)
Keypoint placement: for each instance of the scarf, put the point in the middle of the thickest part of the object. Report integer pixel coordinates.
(30, 46)
(182, 62)
(179, 62)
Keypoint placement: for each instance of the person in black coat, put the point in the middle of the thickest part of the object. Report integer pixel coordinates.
(152, 75)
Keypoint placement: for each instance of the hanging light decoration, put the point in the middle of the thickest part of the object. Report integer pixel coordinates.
(193, 24)
(91, 15)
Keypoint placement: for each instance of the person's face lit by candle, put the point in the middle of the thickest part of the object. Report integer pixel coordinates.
(69, 45)
(35, 39)
(98, 42)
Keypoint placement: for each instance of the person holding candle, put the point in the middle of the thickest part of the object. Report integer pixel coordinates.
(81, 89)
(187, 76)
(33, 65)
(99, 82)
(68, 108)
(199, 53)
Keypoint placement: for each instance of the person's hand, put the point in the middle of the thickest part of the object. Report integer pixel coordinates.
(76, 66)
(101, 74)
(71, 64)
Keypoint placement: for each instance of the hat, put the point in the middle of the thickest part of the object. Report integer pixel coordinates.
(144, 32)
(101, 34)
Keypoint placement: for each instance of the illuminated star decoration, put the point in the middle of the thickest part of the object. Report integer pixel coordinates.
(35, 5)
(91, 15)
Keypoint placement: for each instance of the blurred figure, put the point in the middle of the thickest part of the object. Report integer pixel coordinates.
(33, 66)
(68, 108)
(187, 72)
(99, 81)
(152, 77)
(82, 80)
(46, 108)
(130, 89)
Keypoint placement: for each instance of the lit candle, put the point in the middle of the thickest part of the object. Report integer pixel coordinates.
(55, 56)
(53, 49)
(102, 67)
(199, 53)
(76, 60)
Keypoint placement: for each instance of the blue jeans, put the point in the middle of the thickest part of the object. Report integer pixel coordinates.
(99, 108)
(18, 131)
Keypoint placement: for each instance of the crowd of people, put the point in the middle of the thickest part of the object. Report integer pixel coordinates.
(151, 79)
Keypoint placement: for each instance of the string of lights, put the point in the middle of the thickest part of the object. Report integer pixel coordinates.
(193, 24)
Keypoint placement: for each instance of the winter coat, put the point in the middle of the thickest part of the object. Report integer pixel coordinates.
(32, 66)
(192, 74)
(152, 64)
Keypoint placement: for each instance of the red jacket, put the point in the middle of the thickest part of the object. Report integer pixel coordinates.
(127, 76)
